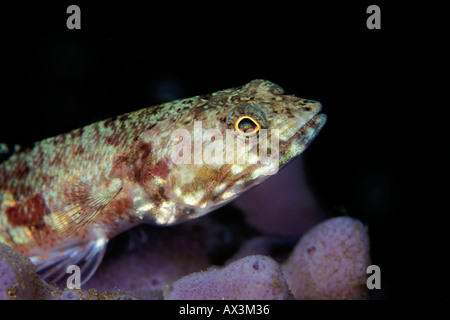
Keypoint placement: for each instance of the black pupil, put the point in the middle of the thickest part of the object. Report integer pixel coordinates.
(247, 125)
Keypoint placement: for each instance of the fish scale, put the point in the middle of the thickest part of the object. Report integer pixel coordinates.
(64, 199)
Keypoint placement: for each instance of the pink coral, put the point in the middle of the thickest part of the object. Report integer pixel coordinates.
(157, 256)
(18, 279)
(252, 277)
(330, 261)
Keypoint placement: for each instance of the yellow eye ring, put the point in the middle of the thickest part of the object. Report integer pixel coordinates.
(247, 125)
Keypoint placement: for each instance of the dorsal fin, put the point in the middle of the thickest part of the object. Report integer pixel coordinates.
(83, 203)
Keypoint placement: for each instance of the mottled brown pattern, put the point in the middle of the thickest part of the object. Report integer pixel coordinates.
(138, 158)
(27, 214)
(125, 163)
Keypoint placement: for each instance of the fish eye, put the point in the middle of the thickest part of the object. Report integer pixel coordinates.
(247, 125)
(246, 119)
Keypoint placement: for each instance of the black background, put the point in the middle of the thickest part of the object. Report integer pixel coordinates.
(383, 156)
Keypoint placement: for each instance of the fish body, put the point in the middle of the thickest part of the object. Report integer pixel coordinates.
(62, 200)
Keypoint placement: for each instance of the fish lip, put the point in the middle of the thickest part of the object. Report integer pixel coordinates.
(316, 122)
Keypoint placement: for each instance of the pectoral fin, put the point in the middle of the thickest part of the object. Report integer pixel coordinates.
(82, 203)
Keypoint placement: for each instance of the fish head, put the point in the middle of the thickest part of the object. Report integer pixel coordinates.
(225, 144)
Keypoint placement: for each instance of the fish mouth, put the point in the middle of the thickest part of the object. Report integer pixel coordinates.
(298, 142)
(289, 150)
